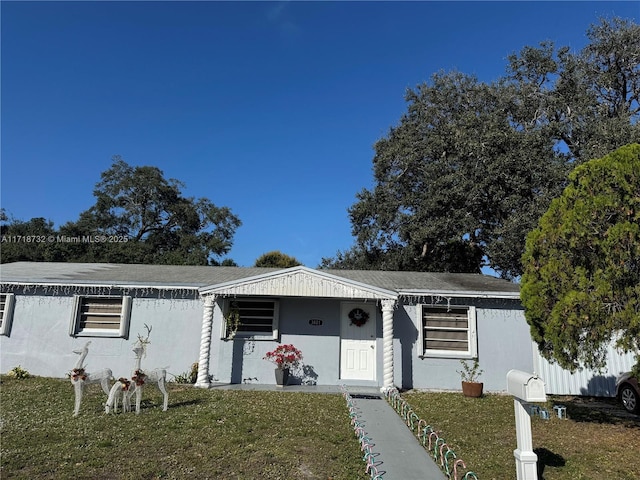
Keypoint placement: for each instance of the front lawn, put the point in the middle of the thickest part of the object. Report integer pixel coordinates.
(205, 434)
(593, 443)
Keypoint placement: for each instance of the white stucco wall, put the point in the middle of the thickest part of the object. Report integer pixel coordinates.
(39, 339)
(241, 359)
(503, 341)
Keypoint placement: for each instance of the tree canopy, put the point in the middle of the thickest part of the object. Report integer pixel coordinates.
(472, 166)
(581, 281)
(14, 249)
(276, 259)
(139, 217)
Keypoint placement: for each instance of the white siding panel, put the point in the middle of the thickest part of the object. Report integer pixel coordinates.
(559, 381)
(301, 284)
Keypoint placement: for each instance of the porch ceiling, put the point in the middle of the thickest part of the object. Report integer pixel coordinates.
(299, 282)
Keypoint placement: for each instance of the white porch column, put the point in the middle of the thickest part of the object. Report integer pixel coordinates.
(387, 343)
(205, 342)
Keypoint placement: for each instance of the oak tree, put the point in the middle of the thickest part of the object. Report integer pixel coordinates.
(150, 221)
(472, 166)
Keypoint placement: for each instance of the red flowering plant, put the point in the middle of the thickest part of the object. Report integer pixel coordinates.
(285, 356)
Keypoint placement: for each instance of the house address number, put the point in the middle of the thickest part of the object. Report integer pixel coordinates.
(315, 322)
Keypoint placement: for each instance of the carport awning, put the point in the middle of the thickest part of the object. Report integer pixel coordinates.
(299, 282)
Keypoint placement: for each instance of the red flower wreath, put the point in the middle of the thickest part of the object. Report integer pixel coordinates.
(78, 373)
(125, 383)
(138, 377)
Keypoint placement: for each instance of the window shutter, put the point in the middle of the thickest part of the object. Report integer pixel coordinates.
(75, 315)
(473, 337)
(276, 320)
(7, 313)
(256, 317)
(100, 316)
(448, 331)
(125, 316)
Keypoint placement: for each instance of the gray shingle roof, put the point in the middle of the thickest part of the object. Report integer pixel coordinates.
(431, 281)
(123, 274)
(203, 276)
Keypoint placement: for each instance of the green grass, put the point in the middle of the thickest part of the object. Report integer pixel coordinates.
(205, 434)
(593, 443)
(222, 434)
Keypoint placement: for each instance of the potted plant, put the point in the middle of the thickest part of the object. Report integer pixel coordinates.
(470, 373)
(285, 358)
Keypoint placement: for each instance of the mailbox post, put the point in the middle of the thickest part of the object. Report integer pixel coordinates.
(525, 387)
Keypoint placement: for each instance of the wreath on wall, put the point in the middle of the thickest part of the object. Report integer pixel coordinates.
(358, 317)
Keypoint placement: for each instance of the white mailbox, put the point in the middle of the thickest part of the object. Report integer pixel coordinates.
(526, 386)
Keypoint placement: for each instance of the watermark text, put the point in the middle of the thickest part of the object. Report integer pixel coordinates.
(64, 239)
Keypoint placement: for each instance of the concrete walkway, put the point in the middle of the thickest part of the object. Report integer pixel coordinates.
(402, 456)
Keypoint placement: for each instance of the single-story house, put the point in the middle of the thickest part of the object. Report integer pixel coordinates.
(366, 328)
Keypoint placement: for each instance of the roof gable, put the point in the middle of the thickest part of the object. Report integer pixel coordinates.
(299, 282)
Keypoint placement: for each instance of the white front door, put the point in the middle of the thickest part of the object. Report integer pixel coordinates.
(358, 341)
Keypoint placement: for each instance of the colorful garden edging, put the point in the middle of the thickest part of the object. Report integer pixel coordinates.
(366, 444)
(442, 454)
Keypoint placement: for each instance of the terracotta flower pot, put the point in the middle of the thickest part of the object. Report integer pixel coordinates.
(472, 389)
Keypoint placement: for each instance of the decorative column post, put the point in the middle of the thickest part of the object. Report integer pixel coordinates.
(205, 342)
(387, 343)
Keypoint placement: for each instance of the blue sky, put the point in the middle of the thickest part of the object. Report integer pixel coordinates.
(269, 108)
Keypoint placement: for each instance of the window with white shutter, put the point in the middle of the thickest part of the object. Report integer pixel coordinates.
(100, 316)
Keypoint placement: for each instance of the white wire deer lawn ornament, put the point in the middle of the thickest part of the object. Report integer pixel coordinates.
(119, 391)
(140, 378)
(80, 377)
(126, 388)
